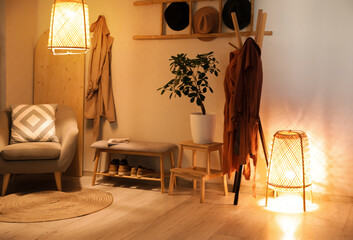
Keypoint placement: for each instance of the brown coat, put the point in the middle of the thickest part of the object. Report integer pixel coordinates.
(242, 85)
(99, 95)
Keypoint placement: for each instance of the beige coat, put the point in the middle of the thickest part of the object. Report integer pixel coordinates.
(99, 95)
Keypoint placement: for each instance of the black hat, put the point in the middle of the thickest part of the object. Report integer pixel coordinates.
(177, 15)
(242, 8)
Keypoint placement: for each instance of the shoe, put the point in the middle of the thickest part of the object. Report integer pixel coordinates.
(114, 166)
(154, 175)
(123, 162)
(143, 172)
(133, 171)
(113, 169)
(115, 162)
(124, 170)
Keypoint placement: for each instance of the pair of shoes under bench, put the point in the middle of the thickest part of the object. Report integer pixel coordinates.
(119, 167)
(144, 172)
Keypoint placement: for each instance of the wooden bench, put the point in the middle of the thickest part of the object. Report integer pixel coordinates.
(135, 148)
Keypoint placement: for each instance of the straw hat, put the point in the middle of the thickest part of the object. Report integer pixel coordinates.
(242, 8)
(177, 15)
(206, 20)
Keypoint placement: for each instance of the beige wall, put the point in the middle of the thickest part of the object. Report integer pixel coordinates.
(2, 55)
(307, 80)
(20, 39)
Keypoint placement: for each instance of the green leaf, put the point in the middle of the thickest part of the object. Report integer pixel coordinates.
(198, 102)
(186, 78)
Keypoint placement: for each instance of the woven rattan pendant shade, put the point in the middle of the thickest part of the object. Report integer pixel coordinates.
(69, 27)
(289, 166)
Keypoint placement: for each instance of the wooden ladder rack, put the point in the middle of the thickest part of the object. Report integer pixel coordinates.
(163, 35)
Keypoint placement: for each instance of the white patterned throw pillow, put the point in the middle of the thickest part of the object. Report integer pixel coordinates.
(33, 123)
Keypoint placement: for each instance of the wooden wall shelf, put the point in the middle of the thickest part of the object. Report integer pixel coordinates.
(144, 2)
(247, 32)
(186, 36)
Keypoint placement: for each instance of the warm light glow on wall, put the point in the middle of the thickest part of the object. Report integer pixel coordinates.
(69, 27)
(289, 166)
(319, 158)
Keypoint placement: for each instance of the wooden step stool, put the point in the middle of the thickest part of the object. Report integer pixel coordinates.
(198, 173)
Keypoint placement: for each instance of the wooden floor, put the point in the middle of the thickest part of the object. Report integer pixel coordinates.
(140, 211)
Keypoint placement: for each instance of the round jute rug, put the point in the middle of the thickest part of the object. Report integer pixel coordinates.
(52, 205)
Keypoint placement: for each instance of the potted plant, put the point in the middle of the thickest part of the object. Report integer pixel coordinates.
(191, 80)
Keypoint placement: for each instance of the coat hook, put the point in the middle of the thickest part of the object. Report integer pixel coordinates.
(231, 44)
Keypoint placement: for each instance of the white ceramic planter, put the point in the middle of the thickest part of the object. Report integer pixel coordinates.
(202, 127)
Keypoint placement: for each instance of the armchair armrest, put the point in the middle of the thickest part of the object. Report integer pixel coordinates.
(69, 140)
(67, 132)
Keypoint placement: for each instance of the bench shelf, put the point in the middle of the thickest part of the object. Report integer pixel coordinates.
(160, 150)
(107, 174)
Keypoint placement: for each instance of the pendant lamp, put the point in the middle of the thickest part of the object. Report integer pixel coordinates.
(289, 166)
(69, 27)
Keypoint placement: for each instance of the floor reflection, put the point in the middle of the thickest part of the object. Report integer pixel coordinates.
(288, 203)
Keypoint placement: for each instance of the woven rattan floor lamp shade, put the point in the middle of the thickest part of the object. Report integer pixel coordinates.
(69, 27)
(289, 166)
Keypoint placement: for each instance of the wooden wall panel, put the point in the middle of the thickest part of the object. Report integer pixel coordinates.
(60, 79)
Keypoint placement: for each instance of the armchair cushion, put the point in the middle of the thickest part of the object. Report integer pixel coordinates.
(31, 151)
(33, 123)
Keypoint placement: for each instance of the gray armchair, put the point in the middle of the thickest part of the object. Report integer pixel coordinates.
(39, 157)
